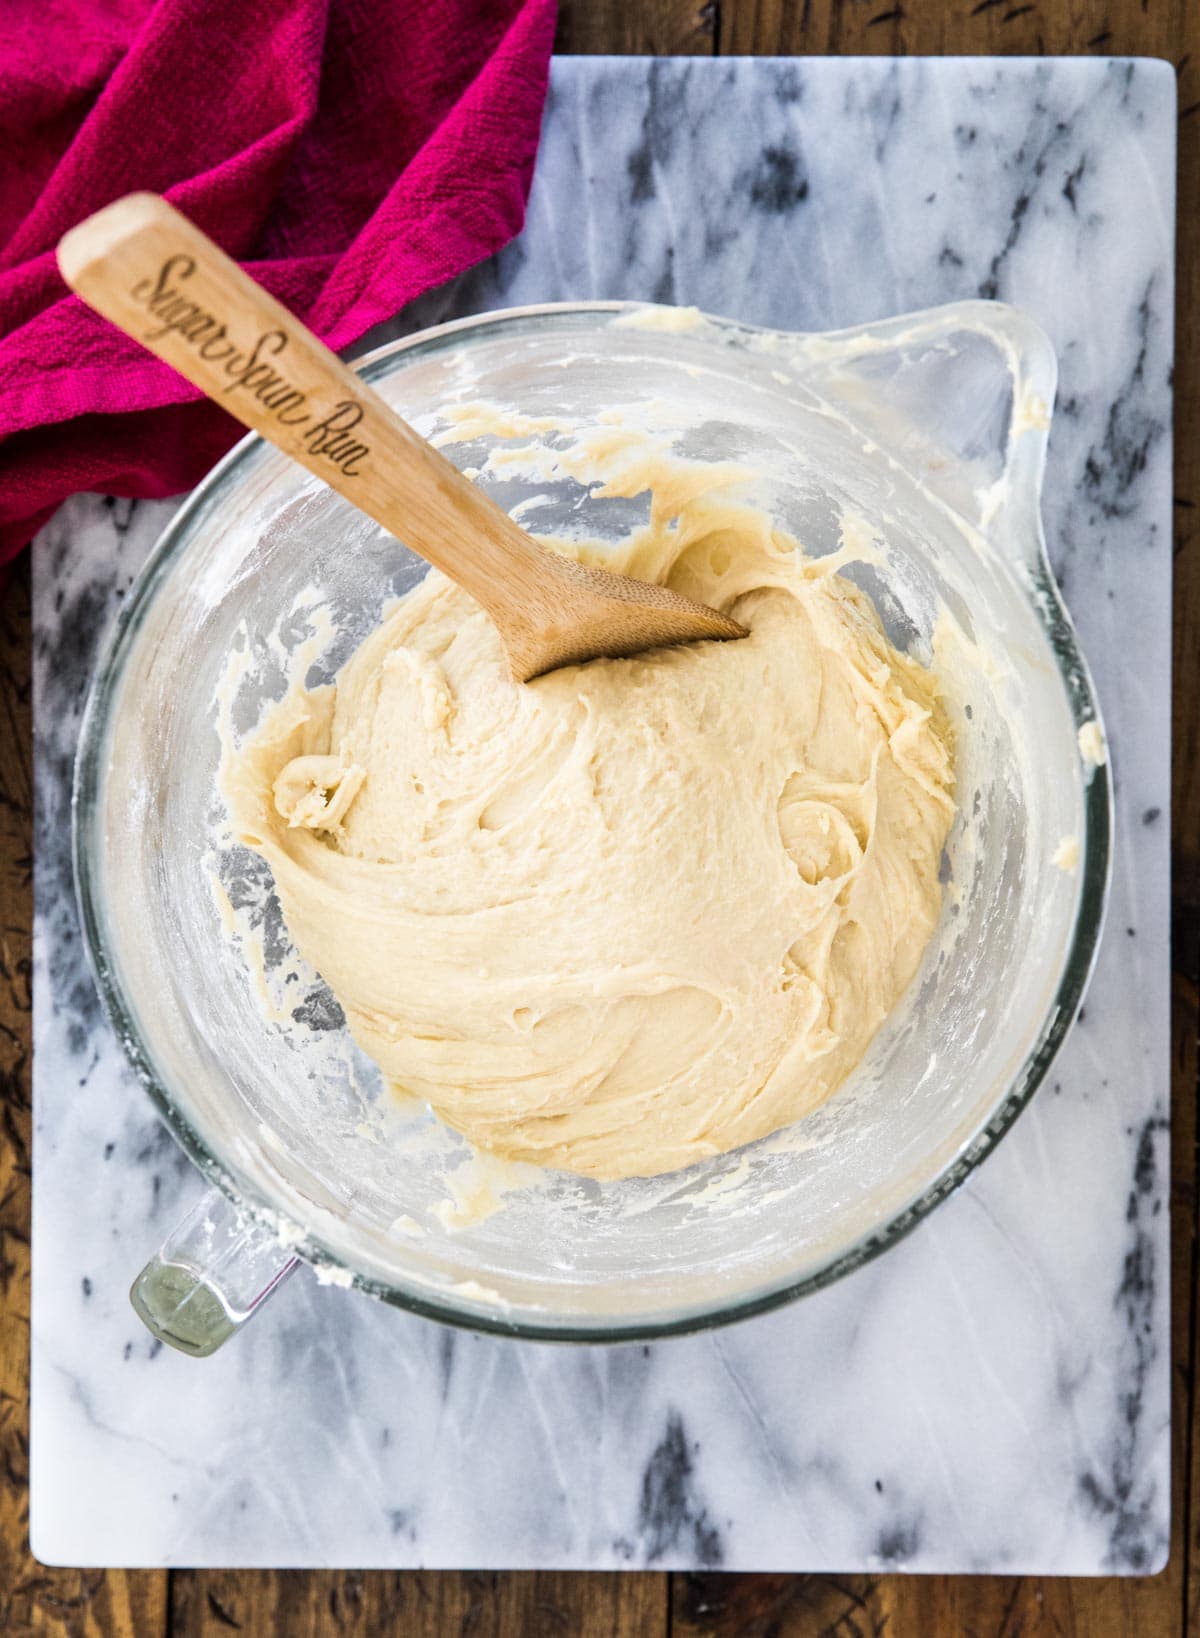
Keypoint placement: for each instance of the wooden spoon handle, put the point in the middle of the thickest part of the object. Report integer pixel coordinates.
(158, 278)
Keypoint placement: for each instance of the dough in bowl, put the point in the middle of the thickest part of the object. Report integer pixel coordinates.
(634, 913)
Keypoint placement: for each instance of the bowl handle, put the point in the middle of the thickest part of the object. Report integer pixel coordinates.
(913, 388)
(209, 1276)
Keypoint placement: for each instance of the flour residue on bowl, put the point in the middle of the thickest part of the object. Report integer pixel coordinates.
(1092, 748)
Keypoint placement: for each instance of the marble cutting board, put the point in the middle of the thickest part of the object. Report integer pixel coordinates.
(992, 1395)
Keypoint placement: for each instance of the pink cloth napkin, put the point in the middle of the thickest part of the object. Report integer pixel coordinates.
(349, 153)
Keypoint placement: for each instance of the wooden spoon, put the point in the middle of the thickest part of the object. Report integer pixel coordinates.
(162, 281)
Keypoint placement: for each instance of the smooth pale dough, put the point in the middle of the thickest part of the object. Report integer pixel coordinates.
(635, 913)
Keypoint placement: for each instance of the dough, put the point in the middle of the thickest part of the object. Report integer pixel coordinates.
(635, 913)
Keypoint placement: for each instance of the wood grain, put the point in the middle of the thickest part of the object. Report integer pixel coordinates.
(822, 1606)
(118, 1605)
(354, 1604)
(1147, 28)
(655, 28)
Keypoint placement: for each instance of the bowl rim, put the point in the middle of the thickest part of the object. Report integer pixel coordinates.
(1095, 868)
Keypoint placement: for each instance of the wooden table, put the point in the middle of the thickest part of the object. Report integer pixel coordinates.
(409, 1604)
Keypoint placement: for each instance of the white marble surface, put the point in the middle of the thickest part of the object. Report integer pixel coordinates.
(993, 1393)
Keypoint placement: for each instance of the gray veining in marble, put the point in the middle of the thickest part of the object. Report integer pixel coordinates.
(993, 1393)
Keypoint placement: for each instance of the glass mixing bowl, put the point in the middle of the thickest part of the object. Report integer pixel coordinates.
(923, 438)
